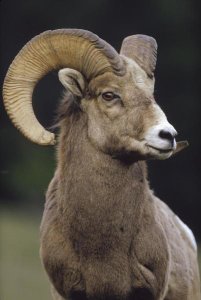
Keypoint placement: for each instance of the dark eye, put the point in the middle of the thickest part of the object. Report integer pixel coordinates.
(108, 96)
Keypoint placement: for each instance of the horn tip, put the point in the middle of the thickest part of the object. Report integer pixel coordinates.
(46, 138)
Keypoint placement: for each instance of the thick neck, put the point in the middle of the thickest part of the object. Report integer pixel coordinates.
(87, 174)
(101, 199)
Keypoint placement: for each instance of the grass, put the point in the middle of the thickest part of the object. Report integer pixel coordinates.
(21, 274)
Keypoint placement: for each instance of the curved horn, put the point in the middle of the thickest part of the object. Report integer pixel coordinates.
(143, 50)
(52, 50)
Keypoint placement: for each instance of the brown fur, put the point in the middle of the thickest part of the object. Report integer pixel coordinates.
(104, 235)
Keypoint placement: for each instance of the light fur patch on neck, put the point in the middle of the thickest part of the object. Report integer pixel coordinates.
(188, 232)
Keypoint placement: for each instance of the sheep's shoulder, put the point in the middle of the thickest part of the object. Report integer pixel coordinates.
(183, 281)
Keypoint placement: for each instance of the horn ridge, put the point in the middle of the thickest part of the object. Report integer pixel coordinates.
(143, 50)
(51, 50)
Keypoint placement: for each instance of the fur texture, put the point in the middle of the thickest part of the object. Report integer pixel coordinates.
(104, 235)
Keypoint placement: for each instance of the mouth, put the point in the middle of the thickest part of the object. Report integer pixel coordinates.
(161, 150)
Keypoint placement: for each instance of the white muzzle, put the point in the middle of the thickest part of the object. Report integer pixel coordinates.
(161, 136)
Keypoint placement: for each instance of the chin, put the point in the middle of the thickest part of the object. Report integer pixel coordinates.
(142, 152)
(160, 154)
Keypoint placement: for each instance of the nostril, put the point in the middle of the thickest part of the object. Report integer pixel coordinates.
(166, 135)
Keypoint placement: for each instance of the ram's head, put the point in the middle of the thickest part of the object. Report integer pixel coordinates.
(114, 91)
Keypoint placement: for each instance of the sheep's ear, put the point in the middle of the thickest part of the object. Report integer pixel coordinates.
(180, 146)
(73, 81)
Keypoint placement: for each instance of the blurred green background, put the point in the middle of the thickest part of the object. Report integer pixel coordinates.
(26, 169)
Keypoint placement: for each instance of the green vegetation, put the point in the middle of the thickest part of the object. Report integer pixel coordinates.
(21, 274)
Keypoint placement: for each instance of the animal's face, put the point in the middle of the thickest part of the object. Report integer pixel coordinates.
(123, 117)
(115, 91)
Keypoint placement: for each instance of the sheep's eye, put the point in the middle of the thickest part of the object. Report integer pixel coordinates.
(108, 96)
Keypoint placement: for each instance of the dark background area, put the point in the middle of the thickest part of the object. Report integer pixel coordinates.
(26, 169)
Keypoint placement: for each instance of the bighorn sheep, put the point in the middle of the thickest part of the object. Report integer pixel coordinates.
(104, 235)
